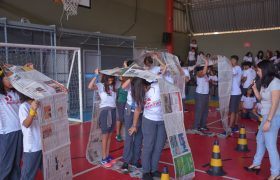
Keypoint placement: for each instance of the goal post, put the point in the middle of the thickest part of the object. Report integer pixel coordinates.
(60, 63)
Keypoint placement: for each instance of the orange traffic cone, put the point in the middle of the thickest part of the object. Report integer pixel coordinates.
(216, 167)
(242, 144)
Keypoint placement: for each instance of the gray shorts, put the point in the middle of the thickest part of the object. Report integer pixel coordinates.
(234, 103)
(107, 120)
(120, 111)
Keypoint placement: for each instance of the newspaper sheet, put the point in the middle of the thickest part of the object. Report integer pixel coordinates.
(171, 103)
(93, 152)
(224, 88)
(52, 114)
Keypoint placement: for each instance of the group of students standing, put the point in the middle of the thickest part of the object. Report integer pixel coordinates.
(135, 102)
(20, 138)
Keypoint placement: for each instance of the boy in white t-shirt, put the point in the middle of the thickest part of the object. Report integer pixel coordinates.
(32, 147)
(248, 75)
(192, 57)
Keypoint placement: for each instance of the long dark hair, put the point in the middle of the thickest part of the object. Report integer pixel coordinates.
(260, 54)
(138, 86)
(24, 98)
(268, 72)
(2, 88)
(105, 81)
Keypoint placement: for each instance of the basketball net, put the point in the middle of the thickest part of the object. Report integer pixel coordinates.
(70, 7)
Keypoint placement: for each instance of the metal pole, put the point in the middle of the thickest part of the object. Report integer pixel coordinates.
(71, 69)
(6, 41)
(55, 57)
(80, 85)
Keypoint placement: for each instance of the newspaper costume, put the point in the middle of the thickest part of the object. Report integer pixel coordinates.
(171, 102)
(52, 114)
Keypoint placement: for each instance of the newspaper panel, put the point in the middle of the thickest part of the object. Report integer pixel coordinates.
(94, 146)
(52, 114)
(224, 88)
(171, 103)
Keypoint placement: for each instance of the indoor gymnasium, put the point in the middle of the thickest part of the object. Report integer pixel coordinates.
(139, 89)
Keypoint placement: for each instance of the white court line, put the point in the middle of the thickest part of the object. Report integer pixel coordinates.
(198, 170)
(90, 169)
(213, 122)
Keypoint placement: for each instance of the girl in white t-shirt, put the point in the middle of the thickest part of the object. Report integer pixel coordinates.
(259, 57)
(248, 102)
(248, 57)
(147, 95)
(107, 117)
(10, 131)
(32, 147)
(201, 98)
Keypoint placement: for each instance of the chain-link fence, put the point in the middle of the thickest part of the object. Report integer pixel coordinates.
(59, 63)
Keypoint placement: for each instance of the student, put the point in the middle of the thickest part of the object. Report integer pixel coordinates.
(276, 57)
(248, 75)
(268, 134)
(32, 146)
(154, 135)
(10, 131)
(248, 57)
(148, 65)
(259, 57)
(269, 55)
(200, 58)
(121, 101)
(107, 117)
(213, 82)
(132, 143)
(248, 102)
(187, 79)
(192, 57)
(193, 44)
(201, 98)
(235, 94)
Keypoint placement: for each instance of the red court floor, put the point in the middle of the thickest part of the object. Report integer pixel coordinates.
(201, 147)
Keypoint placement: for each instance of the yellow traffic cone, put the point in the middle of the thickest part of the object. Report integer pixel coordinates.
(216, 167)
(165, 174)
(242, 144)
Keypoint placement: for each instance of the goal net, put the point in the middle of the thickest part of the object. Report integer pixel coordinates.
(62, 64)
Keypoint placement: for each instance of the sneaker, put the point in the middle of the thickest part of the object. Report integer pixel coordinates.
(119, 138)
(204, 129)
(224, 134)
(125, 168)
(156, 174)
(235, 129)
(110, 159)
(147, 176)
(138, 165)
(105, 163)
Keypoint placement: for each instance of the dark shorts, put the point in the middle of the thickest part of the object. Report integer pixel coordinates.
(120, 111)
(104, 120)
(234, 103)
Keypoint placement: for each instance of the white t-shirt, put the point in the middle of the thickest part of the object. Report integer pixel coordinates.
(31, 135)
(191, 56)
(152, 104)
(236, 80)
(186, 72)
(266, 96)
(202, 85)
(248, 59)
(106, 100)
(155, 69)
(167, 76)
(257, 60)
(9, 106)
(192, 45)
(213, 78)
(250, 74)
(248, 102)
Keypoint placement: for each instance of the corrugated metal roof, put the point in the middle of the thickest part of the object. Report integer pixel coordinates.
(230, 15)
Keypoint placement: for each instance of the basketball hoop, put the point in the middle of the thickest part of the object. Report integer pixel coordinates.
(70, 7)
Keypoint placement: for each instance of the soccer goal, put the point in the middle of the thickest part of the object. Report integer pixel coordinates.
(62, 64)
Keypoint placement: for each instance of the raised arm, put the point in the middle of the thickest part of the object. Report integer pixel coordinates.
(256, 92)
(92, 83)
